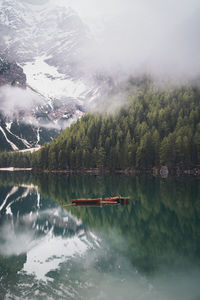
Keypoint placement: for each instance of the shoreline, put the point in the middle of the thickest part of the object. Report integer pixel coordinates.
(162, 171)
(13, 169)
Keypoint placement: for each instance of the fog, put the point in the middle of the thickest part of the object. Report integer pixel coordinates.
(158, 37)
(139, 36)
(22, 104)
(132, 37)
(14, 99)
(15, 244)
(100, 273)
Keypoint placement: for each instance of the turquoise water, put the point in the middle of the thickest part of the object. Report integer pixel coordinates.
(149, 249)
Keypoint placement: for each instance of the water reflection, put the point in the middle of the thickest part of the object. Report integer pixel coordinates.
(149, 249)
(36, 237)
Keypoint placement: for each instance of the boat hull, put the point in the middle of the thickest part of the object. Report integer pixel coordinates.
(87, 201)
(118, 199)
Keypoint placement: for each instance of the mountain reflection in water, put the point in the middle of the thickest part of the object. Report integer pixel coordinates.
(149, 249)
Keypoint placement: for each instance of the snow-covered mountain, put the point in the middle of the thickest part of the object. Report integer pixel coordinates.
(29, 30)
(24, 114)
(48, 42)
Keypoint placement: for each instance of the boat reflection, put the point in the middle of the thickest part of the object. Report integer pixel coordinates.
(122, 203)
(98, 202)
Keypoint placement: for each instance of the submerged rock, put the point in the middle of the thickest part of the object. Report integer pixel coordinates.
(164, 171)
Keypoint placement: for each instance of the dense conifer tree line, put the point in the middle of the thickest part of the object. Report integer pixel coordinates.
(155, 127)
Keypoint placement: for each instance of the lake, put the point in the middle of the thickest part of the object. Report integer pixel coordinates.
(148, 249)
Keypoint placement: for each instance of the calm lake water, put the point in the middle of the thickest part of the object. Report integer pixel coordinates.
(147, 250)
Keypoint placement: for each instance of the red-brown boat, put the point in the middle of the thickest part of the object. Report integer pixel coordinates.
(117, 199)
(110, 202)
(87, 201)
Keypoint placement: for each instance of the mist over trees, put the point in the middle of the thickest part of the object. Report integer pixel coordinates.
(156, 127)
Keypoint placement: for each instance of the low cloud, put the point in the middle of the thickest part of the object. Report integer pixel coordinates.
(141, 36)
(13, 100)
(22, 104)
(160, 38)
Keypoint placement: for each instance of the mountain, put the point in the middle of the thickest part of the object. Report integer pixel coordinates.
(11, 73)
(53, 31)
(58, 37)
(156, 127)
(23, 124)
(48, 41)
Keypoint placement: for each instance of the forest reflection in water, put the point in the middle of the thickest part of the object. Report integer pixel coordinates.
(148, 249)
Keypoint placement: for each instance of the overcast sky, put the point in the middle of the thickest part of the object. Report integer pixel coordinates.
(159, 36)
(175, 10)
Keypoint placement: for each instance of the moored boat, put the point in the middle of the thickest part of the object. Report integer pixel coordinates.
(87, 201)
(110, 202)
(111, 199)
(116, 199)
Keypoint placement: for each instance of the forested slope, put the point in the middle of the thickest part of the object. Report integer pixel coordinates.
(152, 129)
(155, 127)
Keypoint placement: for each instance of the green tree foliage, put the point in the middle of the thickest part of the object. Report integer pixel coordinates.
(153, 128)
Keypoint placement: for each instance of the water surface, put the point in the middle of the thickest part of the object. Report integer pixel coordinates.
(149, 249)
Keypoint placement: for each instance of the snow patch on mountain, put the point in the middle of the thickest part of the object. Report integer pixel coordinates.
(13, 146)
(48, 41)
(50, 83)
(26, 144)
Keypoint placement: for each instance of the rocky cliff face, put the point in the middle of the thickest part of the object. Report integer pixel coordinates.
(56, 33)
(48, 42)
(23, 124)
(11, 73)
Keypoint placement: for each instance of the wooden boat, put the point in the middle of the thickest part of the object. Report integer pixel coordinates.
(110, 202)
(111, 199)
(117, 199)
(87, 201)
